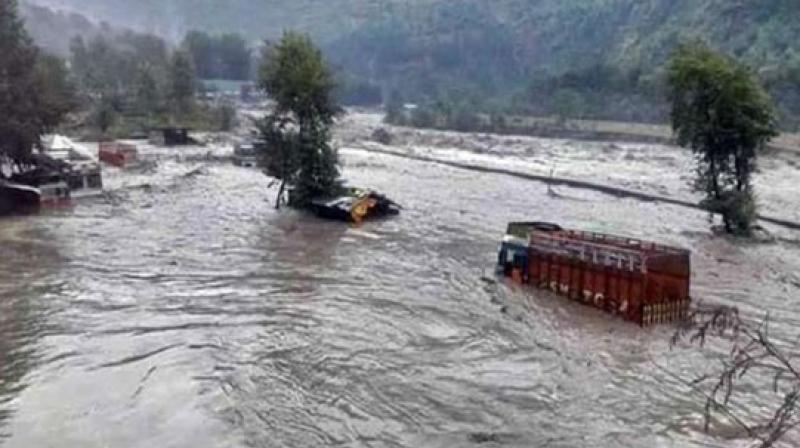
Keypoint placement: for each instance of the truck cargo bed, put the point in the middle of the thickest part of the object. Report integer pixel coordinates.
(641, 281)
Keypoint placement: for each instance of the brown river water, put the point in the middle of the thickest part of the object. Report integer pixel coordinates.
(183, 310)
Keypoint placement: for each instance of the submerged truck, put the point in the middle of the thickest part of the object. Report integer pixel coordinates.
(644, 282)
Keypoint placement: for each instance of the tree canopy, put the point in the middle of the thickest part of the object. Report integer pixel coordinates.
(725, 117)
(297, 131)
(226, 56)
(181, 83)
(34, 92)
(132, 81)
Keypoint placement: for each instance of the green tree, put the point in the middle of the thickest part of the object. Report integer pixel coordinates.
(182, 84)
(724, 116)
(34, 93)
(58, 92)
(147, 94)
(234, 56)
(295, 75)
(219, 57)
(201, 48)
(101, 67)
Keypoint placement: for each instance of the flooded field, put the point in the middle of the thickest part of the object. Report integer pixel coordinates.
(183, 310)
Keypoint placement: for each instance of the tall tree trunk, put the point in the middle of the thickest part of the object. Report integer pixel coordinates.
(714, 179)
(280, 195)
(717, 194)
(742, 180)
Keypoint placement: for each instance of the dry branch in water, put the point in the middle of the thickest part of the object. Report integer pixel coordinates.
(754, 353)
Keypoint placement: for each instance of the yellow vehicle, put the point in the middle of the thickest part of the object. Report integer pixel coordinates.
(355, 207)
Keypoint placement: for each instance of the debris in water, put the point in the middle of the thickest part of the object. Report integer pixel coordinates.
(484, 437)
(488, 280)
(194, 173)
(382, 136)
(355, 206)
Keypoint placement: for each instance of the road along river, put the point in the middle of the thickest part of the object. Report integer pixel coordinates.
(183, 310)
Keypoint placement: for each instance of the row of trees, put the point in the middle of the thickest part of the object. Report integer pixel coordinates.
(132, 80)
(116, 83)
(226, 56)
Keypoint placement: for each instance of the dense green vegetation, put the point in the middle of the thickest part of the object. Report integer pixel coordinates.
(721, 113)
(35, 94)
(226, 56)
(125, 82)
(586, 58)
(297, 131)
(130, 82)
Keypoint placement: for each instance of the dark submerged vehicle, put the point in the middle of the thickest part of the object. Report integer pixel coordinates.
(354, 206)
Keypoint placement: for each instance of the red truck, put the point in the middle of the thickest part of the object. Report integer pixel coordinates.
(644, 282)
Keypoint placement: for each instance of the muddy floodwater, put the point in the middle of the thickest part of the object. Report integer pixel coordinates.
(182, 310)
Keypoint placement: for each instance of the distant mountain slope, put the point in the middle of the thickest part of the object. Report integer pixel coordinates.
(487, 47)
(545, 32)
(255, 18)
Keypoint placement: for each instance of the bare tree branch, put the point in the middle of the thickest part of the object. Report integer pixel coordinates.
(754, 354)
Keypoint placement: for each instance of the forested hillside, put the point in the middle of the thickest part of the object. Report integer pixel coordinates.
(502, 53)
(543, 32)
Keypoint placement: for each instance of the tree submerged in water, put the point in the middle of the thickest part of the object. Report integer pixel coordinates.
(297, 131)
(721, 112)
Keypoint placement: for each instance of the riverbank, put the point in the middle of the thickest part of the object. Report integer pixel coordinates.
(657, 170)
(627, 132)
(594, 130)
